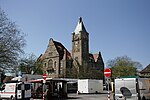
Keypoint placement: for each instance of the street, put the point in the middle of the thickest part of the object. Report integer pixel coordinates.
(74, 96)
(88, 96)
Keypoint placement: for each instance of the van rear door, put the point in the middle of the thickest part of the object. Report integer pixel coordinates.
(27, 90)
(126, 88)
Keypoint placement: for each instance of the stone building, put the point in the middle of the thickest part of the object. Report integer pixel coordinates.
(58, 61)
(145, 72)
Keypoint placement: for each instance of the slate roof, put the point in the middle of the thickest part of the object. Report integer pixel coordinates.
(61, 50)
(93, 57)
(146, 69)
(80, 26)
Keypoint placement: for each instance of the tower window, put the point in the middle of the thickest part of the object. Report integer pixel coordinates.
(76, 49)
(76, 43)
(76, 58)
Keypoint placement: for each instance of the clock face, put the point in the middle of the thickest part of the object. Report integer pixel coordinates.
(76, 37)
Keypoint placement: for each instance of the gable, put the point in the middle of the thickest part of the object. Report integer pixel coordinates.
(146, 69)
(51, 50)
(56, 49)
(96, 57)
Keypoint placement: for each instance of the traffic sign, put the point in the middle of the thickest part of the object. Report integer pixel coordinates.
(107, 72)
(44, 76)
(20, 73)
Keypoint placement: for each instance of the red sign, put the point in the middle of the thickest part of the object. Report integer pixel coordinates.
(107, 72)
(44, 76)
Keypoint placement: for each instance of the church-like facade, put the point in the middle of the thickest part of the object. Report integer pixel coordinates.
(58, 62)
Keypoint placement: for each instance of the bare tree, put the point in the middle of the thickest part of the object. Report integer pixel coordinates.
(11, 42)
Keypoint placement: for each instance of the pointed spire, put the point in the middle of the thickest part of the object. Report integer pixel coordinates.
(80, 19)
(80, 26)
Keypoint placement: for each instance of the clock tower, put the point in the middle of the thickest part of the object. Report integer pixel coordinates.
(80, 44)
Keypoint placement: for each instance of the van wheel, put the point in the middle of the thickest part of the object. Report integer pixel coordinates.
(143, 98)
(12, 98)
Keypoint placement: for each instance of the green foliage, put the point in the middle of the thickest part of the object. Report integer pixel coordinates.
(84, 73)
(38, 68)
(123, 66)
(72, 72)
(90, 73)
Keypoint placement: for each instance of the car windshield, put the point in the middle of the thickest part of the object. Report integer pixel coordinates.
(3, 87)
(19, 86)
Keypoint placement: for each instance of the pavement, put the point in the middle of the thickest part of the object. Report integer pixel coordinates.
(75, 96)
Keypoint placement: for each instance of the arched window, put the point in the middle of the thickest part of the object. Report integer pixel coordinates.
(55, 64)
(61, 64)
(50, 63)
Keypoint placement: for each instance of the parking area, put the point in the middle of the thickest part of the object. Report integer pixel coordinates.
(103, 96)
(74, 96)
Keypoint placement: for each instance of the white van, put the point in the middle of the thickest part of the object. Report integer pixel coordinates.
(132, 89)
(15, 90)
(90, 86)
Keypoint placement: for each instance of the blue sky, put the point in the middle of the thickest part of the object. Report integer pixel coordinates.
(116, 27)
